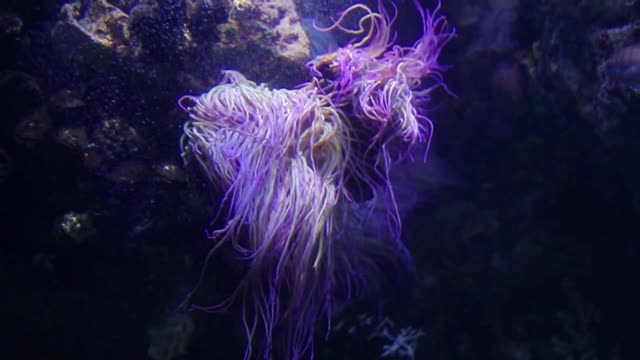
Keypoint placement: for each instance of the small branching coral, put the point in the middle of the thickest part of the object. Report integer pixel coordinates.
(298, 179)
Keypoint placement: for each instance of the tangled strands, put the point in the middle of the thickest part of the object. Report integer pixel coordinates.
(284, 158)
(281, 156)
(380, 81)
(381, 85)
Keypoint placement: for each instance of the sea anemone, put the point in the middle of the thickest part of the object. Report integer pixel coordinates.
(300, 188)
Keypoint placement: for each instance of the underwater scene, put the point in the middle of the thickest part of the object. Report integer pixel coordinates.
(329, 180)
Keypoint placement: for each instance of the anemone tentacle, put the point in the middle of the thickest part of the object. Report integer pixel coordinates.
(306, 171)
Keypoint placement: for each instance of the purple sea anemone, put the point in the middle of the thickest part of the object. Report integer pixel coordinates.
(299, 185)
(381, 81)
(281, 156)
